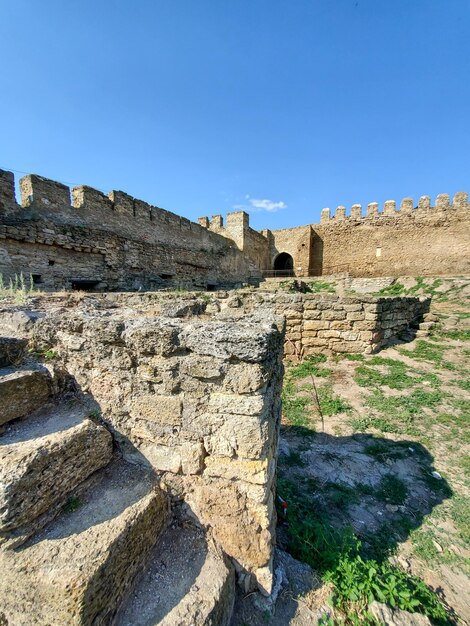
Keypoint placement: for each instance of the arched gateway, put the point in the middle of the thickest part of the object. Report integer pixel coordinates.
(284, 264)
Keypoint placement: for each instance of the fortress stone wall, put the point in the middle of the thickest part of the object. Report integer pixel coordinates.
(416, 239)
(81, 238)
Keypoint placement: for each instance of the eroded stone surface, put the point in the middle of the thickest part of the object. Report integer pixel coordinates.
(12, 351)
(42, 461)
(22, 391)
(187, 581)
(77, 571)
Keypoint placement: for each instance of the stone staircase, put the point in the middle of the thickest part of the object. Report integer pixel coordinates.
(84, 535)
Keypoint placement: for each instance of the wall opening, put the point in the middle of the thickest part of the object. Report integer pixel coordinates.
(84, 285)
(284, 265)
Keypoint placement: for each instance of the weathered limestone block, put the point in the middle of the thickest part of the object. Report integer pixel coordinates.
(22, 391)
(341, 325)
(314, 341)
(316, 325)
(238, 405)
(356, 316)
(160, 337)
(257, 471)
(334, 315)
(243, 528)
(69, 573)
(12, 351)
(202, 367)
(245, 341)
(245, 378)
(366, 325)
(247, 438)
(329, 333)
(36, 471)
(165, 410)
(104, 329)
(348, 346)
(311, 314)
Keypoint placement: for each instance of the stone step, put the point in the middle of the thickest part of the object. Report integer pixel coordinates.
(12, 351)
(22, 391)
(45, 458)
(187, 582)
(77, 570)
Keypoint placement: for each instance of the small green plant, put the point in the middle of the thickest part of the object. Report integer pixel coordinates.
(395, 289)
(46, 355)
(392, 489)
(72, 505)
(352, 357)
(17, 288)
(358, 582)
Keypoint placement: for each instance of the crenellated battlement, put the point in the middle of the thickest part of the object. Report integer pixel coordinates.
(117, 211)
(126, 242)
(389, 209)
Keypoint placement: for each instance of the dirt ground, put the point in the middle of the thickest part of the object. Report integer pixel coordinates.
(380, 444)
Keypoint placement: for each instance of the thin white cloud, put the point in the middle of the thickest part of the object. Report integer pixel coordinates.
(261, 204)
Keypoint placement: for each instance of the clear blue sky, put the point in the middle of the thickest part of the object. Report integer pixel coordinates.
(200, 106)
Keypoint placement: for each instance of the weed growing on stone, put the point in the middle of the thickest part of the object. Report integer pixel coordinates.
(72, 505)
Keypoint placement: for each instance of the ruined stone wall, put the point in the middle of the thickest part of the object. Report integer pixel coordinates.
(329, 324)
(130, 244)
(426, 240)
(190, 391)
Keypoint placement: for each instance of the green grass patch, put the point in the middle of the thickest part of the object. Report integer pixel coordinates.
(309, 367)
(465, 464)
(404, 409)
(426, 351)
(351, 357)
(330, 403)
(318, 286)
(296, 410)
(357, 581)
(460, 512)
(363, 424)
(463, 384)
(396, 377)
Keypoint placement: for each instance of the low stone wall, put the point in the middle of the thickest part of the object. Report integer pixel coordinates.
(196, 397)
(328, 323)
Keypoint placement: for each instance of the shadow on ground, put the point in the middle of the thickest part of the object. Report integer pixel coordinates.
(338, 488)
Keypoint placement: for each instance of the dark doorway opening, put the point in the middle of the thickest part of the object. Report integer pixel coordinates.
(84, 285)
(284, 265)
